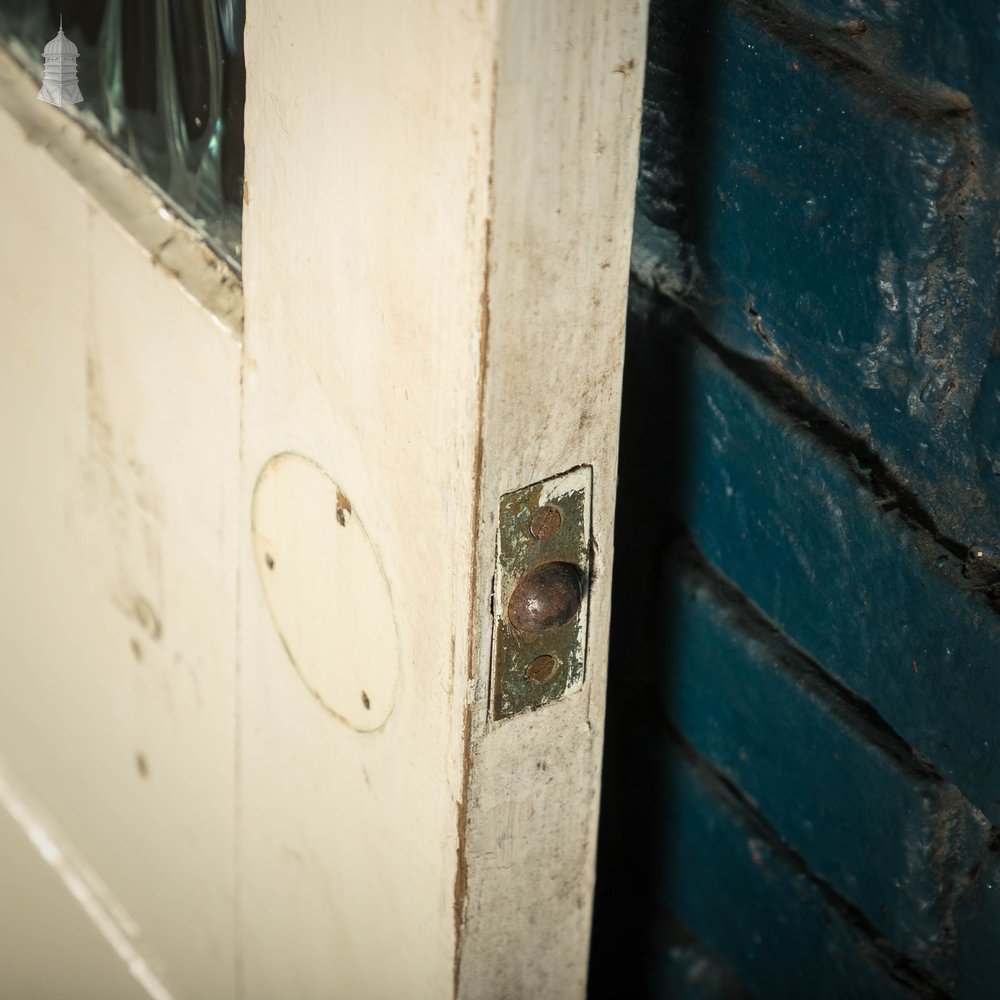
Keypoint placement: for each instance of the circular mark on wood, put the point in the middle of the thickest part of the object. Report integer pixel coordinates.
(326, 590)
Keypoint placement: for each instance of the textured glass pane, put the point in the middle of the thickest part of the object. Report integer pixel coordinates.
(163, 82)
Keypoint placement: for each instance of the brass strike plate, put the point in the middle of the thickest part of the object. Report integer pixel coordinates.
(541, 593)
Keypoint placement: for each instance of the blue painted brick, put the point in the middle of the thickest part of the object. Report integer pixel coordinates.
(978, 954)
(818, 186)
(789, 523)
(868, 817)
(685, 971)
(955, 43)
(743, 897)
(818, 225)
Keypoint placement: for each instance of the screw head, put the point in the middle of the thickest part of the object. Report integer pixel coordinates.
(546, 598)
(545, 523)
(541, 669)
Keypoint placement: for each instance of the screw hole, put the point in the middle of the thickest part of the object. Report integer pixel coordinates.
(269, 559)
(365, 700)
(343, 509)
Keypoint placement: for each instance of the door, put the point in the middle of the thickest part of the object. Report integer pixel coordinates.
(270, 724)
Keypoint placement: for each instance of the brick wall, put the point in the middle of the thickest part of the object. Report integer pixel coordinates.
(802, 776)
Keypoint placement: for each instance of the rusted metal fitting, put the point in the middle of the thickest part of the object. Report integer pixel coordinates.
(541, 593)
(546, 598)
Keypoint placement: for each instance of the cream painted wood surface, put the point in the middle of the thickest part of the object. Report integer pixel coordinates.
(119, 431)
(38, 911)
(565, 136)
(363, 320)
(436, 236)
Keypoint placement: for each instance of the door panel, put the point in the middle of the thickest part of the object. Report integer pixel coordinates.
(41, 921)
(120, 424)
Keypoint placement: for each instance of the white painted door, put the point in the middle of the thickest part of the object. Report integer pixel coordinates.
(252, 738)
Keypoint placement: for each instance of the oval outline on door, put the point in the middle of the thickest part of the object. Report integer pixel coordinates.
(327, 591)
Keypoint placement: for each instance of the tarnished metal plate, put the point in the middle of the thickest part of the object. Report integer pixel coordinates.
(541, 593)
